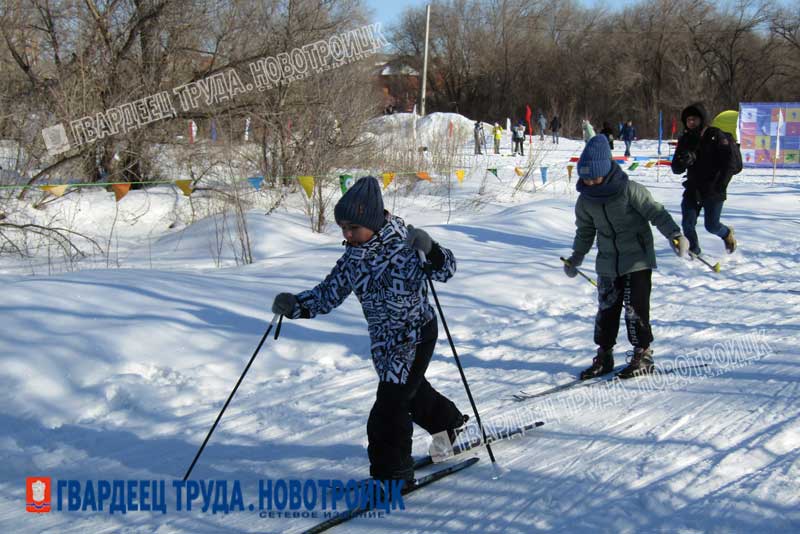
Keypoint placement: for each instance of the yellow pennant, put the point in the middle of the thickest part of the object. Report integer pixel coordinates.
(422, 175)
(519, 171)
(185, 186)
(120, 190)
(569, 171)
(460, 175)
(649, 164)
(308, 184)
(55, 190)
(388, 178)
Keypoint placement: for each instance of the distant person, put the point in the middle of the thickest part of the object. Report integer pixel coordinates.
(518, 137)
(555, 126)
(480, 138)
(542, 126)
(609, 133)
(497, 133)
(628, 136)
(588, 130)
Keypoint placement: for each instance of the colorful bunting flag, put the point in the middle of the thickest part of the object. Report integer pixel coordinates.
(185, 186)
(569, 171)
(493, 171)
(345, 182)
(120, 190)
(519, 171)
(256, 182)
(633, 166)
(460, 175)
(55, 190)
(308, 184)
(422, 175)
(388, 178)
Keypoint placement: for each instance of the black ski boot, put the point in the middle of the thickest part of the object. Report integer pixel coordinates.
(602, 364)
(641, 363)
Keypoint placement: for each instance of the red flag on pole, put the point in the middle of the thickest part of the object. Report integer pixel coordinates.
(528, 115)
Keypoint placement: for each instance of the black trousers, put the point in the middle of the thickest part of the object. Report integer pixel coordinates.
(519, 145)
(397, 406)
(633, 291)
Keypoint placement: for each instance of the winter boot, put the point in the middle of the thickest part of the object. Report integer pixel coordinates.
(641, 364)
(730, 240)
(602, 364)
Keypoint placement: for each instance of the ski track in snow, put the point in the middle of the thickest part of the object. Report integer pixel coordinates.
(119, 373)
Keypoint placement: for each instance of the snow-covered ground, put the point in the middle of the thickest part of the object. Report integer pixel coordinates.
(118, 373)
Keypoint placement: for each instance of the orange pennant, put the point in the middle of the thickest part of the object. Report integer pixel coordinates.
(120, 190)
(185, 186)
(422, 175)
(519, 171)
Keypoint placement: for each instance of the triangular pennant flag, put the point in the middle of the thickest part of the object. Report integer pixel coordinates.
(120, 190)
(185, 186)
(345, 182)
(388, 177)
(55, 190)
(460, 175)
(256, 181)
(649, 164)
(519, 171)
(569, 171)
(308, 184)
(493, 171)
(422, 175)
(633, 166)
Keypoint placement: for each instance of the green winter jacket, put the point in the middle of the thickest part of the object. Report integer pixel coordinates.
(621, 222)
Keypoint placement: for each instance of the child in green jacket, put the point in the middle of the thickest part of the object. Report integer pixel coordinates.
(619, 212)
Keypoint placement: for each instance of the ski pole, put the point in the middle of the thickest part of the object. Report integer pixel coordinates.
(252, 358)
(716, 267)
(455, 355)
(567, 262)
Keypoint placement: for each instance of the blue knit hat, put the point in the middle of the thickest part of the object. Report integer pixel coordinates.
(595, 159)
(362, 204)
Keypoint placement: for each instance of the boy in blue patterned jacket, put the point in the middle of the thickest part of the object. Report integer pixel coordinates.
(382, 267)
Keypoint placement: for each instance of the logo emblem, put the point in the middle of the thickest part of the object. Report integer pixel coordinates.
(37, 494)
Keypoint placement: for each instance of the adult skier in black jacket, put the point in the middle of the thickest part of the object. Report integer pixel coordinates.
(705, 153)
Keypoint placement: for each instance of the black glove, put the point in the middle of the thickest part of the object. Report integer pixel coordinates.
(572, 264)
(284, 304)
(686, 159)
(419, 239)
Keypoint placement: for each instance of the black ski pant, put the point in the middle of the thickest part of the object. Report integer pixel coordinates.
(519, 147)
(397, 406)
(631, 290)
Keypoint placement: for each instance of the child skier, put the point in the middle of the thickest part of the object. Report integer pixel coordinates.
(618, 211)
(382, 266)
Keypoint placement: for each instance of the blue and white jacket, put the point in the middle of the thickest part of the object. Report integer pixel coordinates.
(387, 277)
